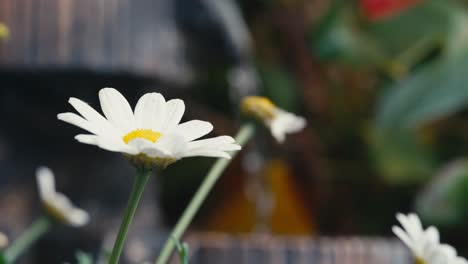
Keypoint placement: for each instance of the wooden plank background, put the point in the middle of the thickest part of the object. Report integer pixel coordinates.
(217, 248)
(262, 249)
(133, 36)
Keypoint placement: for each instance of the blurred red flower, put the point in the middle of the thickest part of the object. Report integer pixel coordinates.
(381, 9)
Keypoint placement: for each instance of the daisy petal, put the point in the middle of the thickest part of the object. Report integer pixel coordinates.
(194, 129)
(224, 143)
(107, 143)
(116, 108)
(102, 125)
(87, 139)
(403, 236)
(432, 235)
(278, 132)
(149, 111)
(78, 121)
(150, 149)
(77, 217)
(207, 153)
(448, 250)
(86, 110)
(46, 182)
(175, 109)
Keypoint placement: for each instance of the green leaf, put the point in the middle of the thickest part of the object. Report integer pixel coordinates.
(436, 90)
(443, 201)
(399, 158)
(457, 37)
(183, 250)
(83, 257)
(2, 258)
(340, 38)
(427, 22)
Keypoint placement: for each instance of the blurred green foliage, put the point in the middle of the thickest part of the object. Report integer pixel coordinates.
(2, 258)
(83, 257)
(279, 86)
(400, 158)
(422, 56)
(443, 201)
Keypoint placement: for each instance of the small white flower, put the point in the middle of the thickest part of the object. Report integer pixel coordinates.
(425, 244)
(56, 204)
(151, 135)
(279, 121)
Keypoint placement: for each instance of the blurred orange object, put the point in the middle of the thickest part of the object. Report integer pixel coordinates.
(289, 214)
(381, 9)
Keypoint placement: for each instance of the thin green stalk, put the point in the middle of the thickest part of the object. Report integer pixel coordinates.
(244, 134)
(41, 226)
(135, 195)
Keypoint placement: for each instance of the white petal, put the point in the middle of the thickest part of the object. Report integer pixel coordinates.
(193, 129)
(86, 110)
(175, 109)
(77, 217)
(278, 133)
(150, 111)
(448, 251)
(285, 123)
(415, 227)
(432, 235)
(167, 146)
(73, 215)
(403, 237)
(150, 149)
(101, 125)
(207, 153)
(408, 226)
(107, 143)
(87, 139)
(224, 143)
(116, 108)
(78, 121)
(46, 182)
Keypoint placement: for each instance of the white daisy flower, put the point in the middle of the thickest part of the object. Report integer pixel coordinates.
(57, 205)
(279, 121)
(424, 244)
(151, 135)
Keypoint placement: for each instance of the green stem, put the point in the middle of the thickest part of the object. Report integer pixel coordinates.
(244, 134)
(31, 235)
(135, 195)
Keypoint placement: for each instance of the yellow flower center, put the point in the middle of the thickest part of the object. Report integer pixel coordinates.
(259, 107)
(147, 134)
(419, 260)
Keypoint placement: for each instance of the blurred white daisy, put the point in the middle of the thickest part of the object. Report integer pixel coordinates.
(4, 31)
(279, 121)
(151, 135)
(425, 244)
(57, 205)
(3, 240)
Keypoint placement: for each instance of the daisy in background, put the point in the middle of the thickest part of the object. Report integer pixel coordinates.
(4, 31)
(150, 135)
(279, 121)
(3, 240)
(424, 243)
(57, 205)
